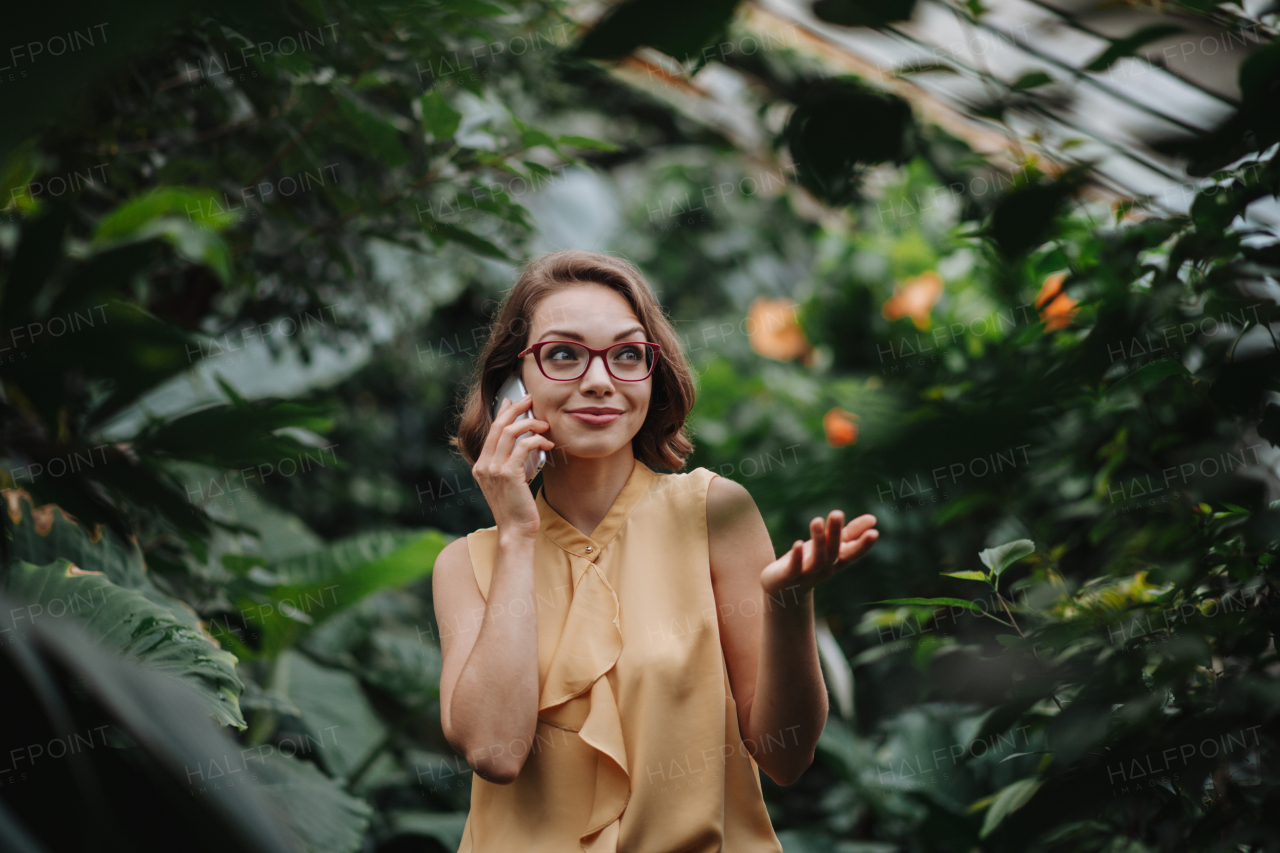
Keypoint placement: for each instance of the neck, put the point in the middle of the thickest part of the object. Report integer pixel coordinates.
(583, 490)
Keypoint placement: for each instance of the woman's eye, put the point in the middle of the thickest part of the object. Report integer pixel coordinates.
(561, 354)
(627, 354)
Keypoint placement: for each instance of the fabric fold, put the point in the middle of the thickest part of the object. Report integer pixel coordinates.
(589, 647)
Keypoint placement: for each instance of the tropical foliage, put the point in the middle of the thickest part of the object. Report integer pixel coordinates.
(247, 255)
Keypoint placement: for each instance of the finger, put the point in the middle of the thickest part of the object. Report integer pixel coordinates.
(491, 439)
(857, 527)
(507, 413)
(796, 566)
(528, 445)
(855, 549)
(818, 534)
(835, 524)
(824, 547)
(514, 431)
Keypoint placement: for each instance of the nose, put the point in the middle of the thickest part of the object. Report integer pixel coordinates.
(597, 379)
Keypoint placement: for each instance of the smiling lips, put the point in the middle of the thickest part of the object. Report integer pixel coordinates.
(595, 415)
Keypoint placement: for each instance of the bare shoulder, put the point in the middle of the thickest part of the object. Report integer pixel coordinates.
(452, 576)
(453, 558)
(729, 504)
(737, 538)
(454, 592)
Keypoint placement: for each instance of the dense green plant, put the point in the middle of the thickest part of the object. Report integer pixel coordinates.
(1031, 639)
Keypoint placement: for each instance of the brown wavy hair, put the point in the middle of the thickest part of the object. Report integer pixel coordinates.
(662, 441)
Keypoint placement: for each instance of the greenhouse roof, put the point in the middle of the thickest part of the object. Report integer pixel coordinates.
(1069, 81)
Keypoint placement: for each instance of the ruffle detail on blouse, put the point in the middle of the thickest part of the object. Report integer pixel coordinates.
(578, 697)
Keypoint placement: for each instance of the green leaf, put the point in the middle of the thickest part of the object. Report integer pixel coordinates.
(193, 243)
(442, 231)
(935, 602)
(242, 434)
(293, 594)
(16, 172)
(1150, 375)
(401, 663)
(342, 723)
(532, 137)
(928, 68)
(126, 622)
(241, 564)
(1129, 45)
(678, 29)
(444, 827)
(187, 218)
(586, 142)
(1008, 801)
(381, 138)
(966, 576)
(1031, 81)
(201, 207)
(41, 536)
(322, 817)
(1001, 557)
(439, 118)
(155, 745)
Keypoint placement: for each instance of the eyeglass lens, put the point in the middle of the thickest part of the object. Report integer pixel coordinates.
(626, 361)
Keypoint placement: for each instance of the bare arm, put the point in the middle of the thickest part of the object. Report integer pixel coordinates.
(489, 673)
(489, 676)
(767, 627)
(770, 647)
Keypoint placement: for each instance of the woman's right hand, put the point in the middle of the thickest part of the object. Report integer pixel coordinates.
(500, 468)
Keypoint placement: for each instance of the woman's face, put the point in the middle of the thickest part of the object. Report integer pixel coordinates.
(594, 416)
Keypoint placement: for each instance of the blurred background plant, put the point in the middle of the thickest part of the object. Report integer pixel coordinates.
(249, 252)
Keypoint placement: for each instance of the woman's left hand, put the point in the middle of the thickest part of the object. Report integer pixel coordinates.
(831, 545)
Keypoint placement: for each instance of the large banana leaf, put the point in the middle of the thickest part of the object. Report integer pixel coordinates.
(127, 622)
(335, 712)
(109, 793)
(43, 534)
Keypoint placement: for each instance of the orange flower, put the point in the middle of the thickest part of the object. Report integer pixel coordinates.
(914, 298)
(774, 331)
(840, 427)
(1056, 308)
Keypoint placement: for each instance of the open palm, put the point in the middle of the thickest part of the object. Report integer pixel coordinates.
(831, 545)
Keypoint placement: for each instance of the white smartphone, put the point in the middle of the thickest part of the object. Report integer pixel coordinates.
(513, 389)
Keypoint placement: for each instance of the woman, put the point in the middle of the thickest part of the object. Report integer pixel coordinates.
(605, 644)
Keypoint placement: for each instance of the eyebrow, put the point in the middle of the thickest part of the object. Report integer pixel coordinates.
(574, 336)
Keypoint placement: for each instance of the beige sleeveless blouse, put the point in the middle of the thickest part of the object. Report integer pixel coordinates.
(637, 748)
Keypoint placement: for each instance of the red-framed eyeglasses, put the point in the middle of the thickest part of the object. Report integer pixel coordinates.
(629, 361)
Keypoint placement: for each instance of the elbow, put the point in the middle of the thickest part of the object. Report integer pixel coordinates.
(788, 773)
(499, 766)
(497, 772)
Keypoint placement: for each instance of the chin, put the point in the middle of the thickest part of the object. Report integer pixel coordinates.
(592, 445)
